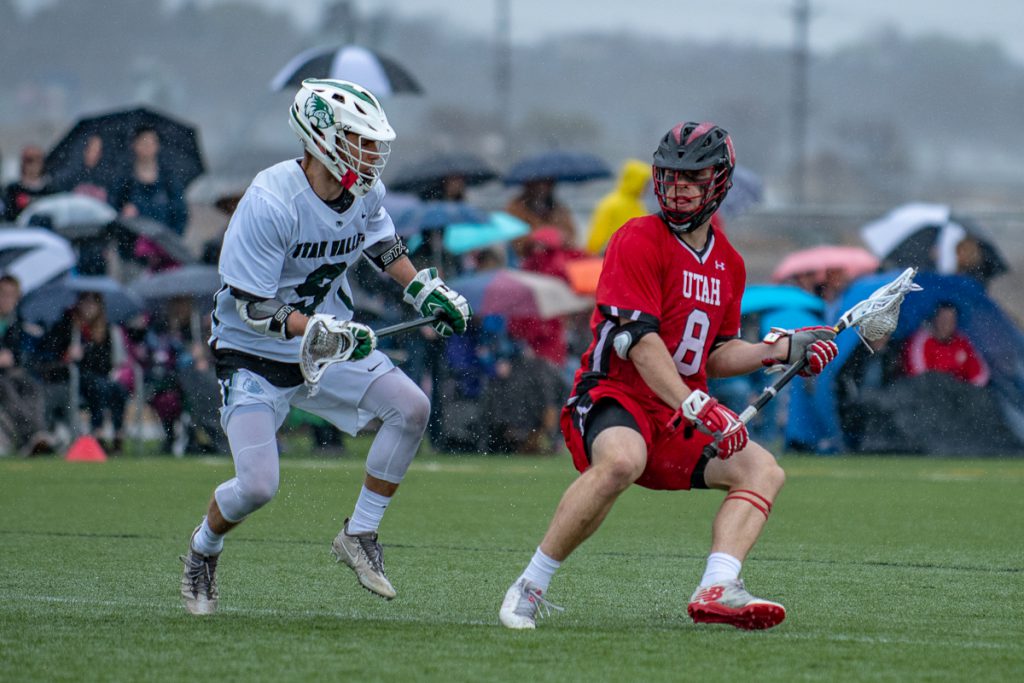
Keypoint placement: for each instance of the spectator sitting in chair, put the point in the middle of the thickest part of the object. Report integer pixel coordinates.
(22, 409)
(939, 347)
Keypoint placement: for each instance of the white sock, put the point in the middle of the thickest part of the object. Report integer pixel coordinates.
(540, 570)
(205, 542)
(721, 567)
(369, 511)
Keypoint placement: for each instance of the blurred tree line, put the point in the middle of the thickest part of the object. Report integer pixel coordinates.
(891, 116)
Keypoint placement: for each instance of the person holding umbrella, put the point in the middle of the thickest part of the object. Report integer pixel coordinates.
(297, 231)
(145, 190)
(667, 318)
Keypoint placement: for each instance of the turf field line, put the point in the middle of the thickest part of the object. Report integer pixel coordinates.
(172, 608)
(598, 553)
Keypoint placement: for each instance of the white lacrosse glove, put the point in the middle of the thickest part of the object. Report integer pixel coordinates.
(429, 295)
(711, 417)
(328, 340)
(814, 343)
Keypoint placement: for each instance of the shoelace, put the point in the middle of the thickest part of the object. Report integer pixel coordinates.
(201, 574)
(532, 603)
(372, 550)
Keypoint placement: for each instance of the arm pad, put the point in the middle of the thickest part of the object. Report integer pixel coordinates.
(266, 316)
(383, 254)
(629, 335)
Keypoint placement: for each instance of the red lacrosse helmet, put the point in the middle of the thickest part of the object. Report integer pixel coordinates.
(682, 154)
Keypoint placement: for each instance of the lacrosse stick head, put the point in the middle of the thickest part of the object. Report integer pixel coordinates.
(325, 341)
(878, 315)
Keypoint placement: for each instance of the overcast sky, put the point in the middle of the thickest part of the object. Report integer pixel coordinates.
(762, 21)
(767, 22)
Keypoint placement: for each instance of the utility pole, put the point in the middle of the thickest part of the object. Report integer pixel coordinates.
(801, 99)
(503, 69)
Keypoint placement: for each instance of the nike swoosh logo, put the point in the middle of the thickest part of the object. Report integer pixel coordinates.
(375, 367)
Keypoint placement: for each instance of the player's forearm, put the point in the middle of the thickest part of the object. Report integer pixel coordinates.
(402, 271)
(738, 357)
(658, 370)
(296, 323)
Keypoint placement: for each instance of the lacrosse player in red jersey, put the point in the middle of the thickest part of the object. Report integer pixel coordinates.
(667, 318)
(298, 229)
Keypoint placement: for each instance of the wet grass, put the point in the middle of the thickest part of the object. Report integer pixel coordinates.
(892, 569)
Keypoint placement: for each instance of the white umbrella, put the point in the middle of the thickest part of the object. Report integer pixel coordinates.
(378, 73)
(34, 256)
(882, 236)
(67, 209)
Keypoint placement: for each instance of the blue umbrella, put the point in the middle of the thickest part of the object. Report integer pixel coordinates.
(558, 165)
(502, 227)
(46, 305)
(760, 298)
(416, 217)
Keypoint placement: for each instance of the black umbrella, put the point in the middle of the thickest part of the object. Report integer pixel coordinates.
(125, 230)
(378, 73)
(180, 157)
(561, 166)
(46, 304)
(426, 177)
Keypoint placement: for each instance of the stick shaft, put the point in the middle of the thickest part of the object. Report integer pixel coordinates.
(407, 325)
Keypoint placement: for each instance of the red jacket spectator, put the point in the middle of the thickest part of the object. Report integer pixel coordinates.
(941, 348)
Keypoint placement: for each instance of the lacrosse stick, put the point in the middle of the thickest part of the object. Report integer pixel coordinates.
(326, 342)
(871, 319)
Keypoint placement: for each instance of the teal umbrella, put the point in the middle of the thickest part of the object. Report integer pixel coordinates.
(501, 227)
(760, 298)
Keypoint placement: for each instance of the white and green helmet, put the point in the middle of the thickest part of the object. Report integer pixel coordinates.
(323, 111)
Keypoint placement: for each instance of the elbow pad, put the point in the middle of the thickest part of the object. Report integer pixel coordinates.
(267, 316)
(629, 335)
(383, 254)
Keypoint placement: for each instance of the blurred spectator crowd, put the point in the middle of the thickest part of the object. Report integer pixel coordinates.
(104, 310)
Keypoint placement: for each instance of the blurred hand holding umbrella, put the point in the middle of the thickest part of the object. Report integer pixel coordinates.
(181, 160)
(34, 256)
(376, 72)
(519, 294)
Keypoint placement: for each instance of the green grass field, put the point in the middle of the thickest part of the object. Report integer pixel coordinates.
(891, 569)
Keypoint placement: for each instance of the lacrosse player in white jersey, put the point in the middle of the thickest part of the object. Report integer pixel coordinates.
(298, 229)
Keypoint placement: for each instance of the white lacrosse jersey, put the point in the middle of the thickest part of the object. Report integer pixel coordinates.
(283, 242)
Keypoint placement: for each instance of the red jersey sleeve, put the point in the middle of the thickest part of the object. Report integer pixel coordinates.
(631, 278)
(731, 321)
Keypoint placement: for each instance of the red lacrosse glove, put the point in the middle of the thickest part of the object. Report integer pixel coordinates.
(711, 417)
(814, 343)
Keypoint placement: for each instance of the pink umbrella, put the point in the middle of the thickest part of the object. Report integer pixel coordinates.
(854, 261)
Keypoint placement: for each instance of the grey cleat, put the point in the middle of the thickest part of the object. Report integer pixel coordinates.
(729, 602)
(364, 555)
(199, 581)
(523, 603)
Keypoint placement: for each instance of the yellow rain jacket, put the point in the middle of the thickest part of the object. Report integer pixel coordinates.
(619, 205)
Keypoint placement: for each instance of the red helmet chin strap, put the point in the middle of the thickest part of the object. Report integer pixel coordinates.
(349, 179)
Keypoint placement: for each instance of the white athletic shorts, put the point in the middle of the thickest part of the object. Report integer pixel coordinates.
(341, 389)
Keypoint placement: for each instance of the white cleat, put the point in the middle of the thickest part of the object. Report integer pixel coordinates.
(523, 603)
(199, 581)
(364, 555)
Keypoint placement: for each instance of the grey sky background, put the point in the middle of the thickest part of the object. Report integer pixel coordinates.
(766, 22)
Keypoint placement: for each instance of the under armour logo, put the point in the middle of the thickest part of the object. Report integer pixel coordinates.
(719, 265)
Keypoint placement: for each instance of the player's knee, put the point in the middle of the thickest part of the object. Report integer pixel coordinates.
(619, 469)
(768, 474)
(416, 412)
(258, 492)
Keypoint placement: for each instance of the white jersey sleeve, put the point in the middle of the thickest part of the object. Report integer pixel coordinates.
(379, 226)
(256, 244)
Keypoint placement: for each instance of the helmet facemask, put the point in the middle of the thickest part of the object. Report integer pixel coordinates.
(675, 188)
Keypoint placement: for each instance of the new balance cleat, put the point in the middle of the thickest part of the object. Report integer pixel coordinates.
(364, 555)
(729, 602)
(523, 603)
(199, 581)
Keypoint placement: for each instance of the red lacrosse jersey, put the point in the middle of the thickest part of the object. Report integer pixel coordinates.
(692, 296)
